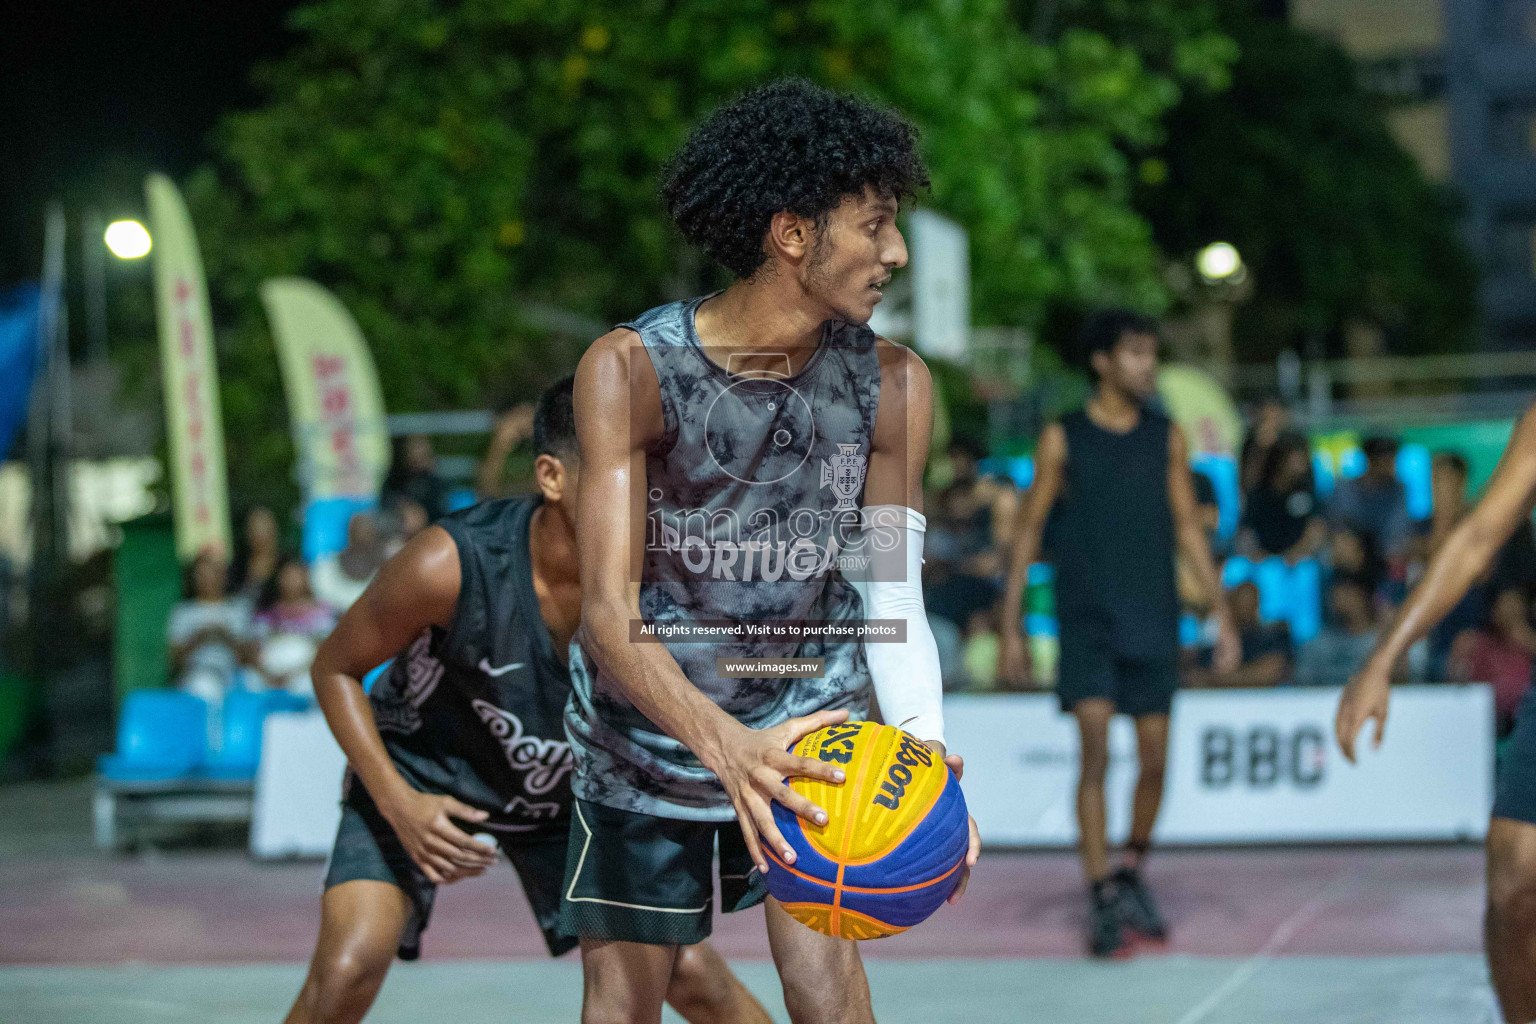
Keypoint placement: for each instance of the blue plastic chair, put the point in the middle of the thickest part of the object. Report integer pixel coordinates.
(1305, 603)
(325, 524)
(1040, 624)
(161, 734)
(1222, 472)
(1273, 578)
(240, 751)
(1235, 571)
(1413, 469)
(281, 700)
(1018, 468)
(461, 498)
(1322, 474)
(1351, 463)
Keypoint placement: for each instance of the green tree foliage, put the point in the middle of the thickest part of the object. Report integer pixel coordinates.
(1295, 166)
(442, 166)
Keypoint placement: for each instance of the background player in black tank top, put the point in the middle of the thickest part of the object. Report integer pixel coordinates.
(464, 735)
(1117, 476)
(1509, 931)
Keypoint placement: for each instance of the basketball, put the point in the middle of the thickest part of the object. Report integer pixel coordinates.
(895, 839)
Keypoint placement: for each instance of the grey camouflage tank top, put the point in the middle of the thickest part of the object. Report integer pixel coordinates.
(752, 491)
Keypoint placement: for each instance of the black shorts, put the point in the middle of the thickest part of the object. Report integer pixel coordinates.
(1090, 669)
(367, 848)
(1515, 791)
(637, 878)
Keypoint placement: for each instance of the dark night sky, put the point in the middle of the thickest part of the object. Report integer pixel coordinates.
(93, 93)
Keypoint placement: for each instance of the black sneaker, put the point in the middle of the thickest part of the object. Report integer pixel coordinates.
(1105, 938)
(1138, 910)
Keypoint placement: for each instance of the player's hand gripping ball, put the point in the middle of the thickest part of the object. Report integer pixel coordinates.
(894, 844)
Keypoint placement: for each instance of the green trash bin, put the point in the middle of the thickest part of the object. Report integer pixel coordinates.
(147, 578)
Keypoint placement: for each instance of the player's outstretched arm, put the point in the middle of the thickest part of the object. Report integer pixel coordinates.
(1050, 460)
(416, 589)
(618, 418)
(1466, 554)
(1194, 546)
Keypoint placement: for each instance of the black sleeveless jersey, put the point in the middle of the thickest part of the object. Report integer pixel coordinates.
(476, 711)
(1112, 537)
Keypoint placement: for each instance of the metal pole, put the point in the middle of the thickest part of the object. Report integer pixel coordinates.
(94, 257)
(42, 426)
(48, 542)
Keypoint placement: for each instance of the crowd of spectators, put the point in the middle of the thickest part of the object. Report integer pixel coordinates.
(259, 622)
(1358, 544)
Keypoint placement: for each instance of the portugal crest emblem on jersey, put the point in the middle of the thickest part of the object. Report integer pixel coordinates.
(844, 473)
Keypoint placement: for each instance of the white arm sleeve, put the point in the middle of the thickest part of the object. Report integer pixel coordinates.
(905, 675)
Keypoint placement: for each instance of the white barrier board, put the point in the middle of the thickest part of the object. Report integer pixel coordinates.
(1246, 766)
(298, 787)
(1243, 766)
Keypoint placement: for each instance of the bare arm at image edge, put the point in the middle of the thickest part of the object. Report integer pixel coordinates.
(1467, 552)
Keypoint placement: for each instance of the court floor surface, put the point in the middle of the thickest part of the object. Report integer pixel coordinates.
(1319, 935)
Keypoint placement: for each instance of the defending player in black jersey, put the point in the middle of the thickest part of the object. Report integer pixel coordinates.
(462, 735)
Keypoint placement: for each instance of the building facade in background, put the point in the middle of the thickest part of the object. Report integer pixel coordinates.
(1460, 78)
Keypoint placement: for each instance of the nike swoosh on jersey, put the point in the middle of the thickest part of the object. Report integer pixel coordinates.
(485, 666)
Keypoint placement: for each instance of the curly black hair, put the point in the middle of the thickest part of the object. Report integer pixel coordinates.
(789, 145)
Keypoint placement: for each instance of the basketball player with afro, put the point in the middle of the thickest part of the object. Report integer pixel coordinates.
(1509, 921)
(462, 735)
(733, 445)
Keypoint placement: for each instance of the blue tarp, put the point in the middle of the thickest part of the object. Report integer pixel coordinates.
(18, 357)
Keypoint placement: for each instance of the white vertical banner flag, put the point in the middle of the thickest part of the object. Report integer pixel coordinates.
(334, 403)
(193, 420)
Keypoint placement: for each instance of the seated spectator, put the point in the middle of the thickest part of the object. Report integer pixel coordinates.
(1500, 654)
(1448, 494)
(1354, 558)
(259, 555)
(209, 634)
(340, 579)
(961, 528)
(961, 583)
(1282, 517)
(413, 474)
(1448, 502)
(1346, 639)
(1267, 651)
(1375, 504)
(402, 519)
(1269, 423)
(513, 427)
(1514, 569)
(1192, 595)
(289, 627)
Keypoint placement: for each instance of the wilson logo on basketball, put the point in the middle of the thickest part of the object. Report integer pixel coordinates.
(911, 754)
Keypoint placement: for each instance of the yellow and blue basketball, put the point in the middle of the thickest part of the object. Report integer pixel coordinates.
(894, 844)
